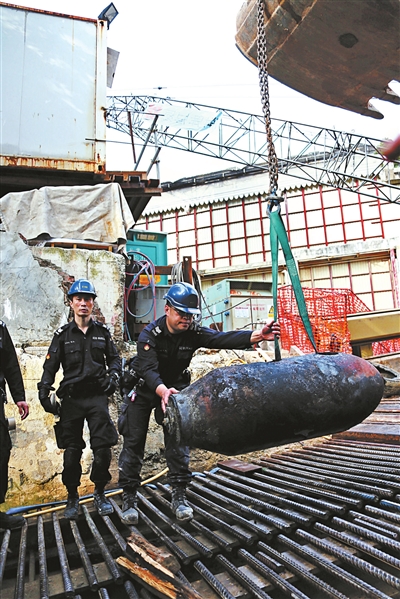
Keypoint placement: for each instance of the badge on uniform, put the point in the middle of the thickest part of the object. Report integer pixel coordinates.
(146, 347)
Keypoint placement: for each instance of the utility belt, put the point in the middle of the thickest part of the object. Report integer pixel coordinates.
(130, 381)
(76, 390)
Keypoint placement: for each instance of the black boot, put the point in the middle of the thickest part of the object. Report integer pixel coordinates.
(103, 505)
(11, 522)
(179, 505)
(130, 514)
(72, 508)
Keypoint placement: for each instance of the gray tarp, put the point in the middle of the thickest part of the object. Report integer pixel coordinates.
(86, 212)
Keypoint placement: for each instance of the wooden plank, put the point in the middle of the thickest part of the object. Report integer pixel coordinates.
(383, 418)
(372, 433)
(136, 543)
(161, 582)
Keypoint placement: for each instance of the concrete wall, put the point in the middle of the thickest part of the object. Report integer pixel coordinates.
(33, 303)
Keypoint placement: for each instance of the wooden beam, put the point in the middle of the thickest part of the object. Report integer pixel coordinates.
(161, 582)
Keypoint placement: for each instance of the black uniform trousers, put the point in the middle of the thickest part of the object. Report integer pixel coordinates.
(103, 435)
(5, 450)
(133, 425)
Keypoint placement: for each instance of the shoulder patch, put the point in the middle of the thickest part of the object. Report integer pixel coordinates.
(101, 324)
(156, 331)
(61, 329)
(2, 324)
(146, 347)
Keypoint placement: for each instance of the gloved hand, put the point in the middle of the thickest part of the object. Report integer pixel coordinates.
(44, 398)
(112, 382)
(50, 407)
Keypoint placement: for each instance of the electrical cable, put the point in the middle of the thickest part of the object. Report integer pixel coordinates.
(177, 277)
(140, 266)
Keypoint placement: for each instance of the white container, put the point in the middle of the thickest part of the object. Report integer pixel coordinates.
(53, 90)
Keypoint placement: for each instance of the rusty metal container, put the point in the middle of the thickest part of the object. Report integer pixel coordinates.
(249, 407)
(339, 53)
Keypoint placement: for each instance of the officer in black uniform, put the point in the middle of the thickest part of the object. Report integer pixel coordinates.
(10, 372)
(91, 367)
(164, 351)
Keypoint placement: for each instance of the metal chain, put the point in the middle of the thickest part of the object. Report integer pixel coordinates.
(264, 91)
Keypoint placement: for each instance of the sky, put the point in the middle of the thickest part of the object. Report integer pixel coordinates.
(188, 50)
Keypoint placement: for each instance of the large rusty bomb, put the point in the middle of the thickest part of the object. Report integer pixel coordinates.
(254, 406)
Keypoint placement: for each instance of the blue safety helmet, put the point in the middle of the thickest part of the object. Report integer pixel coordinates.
(184, 297)
(82, 286)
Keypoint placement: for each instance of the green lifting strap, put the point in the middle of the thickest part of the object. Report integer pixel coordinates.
(278, 233)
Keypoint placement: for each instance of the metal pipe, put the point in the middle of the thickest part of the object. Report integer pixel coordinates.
(277, 581)
(318, 487)
(349, 558)
(111, 565)
(296, 567)
(242, 578)
(183, 578)
(358, 544)
(218, 523)
(327, 476)
(130, 590)
(259, 532)
(354, 465)
(87, 564)
(328, 505)
(62, 556)
(289, 514)
(131, 134)
(153, 124)
(243, 536)
(277, 523)
(368, 534)
(209, 534)
(173, 547)
(19, 592)
(270, 562)
(322, 514)
(214, 583)
(345, 473)
(175, 527)
(390, 504)
(376, 528)
(115, 533)
(3, 553)
(43, 578)
(378, 447)
(371, 509)
(340, 573)
(351, 454)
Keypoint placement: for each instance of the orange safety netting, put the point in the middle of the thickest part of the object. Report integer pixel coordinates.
(327, 310)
